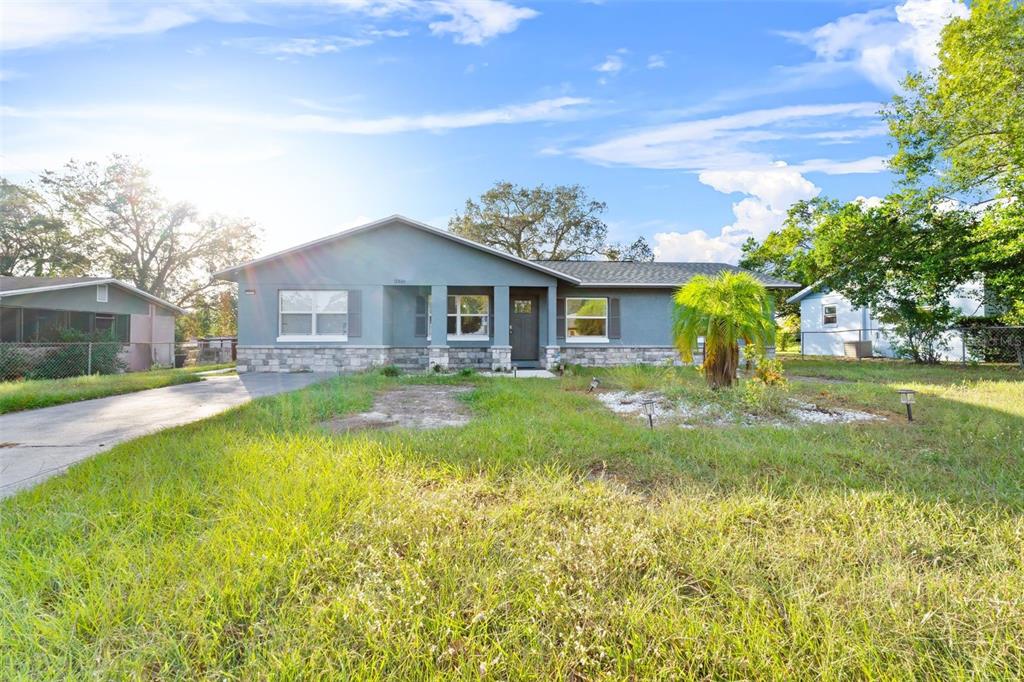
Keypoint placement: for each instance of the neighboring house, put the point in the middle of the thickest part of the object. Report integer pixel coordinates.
(397, 291)
(38, 309)
(828, 321)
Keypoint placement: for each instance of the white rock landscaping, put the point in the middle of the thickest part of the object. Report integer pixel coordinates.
(685, 415)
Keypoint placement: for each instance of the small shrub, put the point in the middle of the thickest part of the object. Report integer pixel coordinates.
(467, 372)
(437, 368)
(764, 399)
(770, 372)
(390, 371)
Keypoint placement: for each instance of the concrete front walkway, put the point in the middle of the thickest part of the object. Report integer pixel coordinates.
(37, 444)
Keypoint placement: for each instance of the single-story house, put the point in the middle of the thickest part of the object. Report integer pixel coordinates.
(397, 291)
(829, 322)
(37, 310)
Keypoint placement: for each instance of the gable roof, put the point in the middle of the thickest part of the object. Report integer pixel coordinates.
(16, 286)
(656, 275)
(344, 234)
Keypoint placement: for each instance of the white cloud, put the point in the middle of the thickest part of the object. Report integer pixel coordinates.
(612, 64)
(299, 47)
(695, 245)
(656, 61)
(720, 142)
(870, 164)
(474, 22)
(771, 191)
(777, 187)
(848, 135)
(884, 44)
(559, 108)
(43, 24)
(869, 202)
(724, 152)
(40, 24)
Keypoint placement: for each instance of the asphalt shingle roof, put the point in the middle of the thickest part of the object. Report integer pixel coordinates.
(651, 274)
(16, 283)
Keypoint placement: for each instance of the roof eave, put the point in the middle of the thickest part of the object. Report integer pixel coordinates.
(803, 293)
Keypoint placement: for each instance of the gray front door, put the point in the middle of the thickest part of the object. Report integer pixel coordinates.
(525, 326)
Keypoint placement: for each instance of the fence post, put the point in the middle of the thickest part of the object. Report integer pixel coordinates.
(89, 362)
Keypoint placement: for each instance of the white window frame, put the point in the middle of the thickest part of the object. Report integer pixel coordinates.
(102, 293)
(458, 315)
(312, 337)
(587, 339)
(824, 314)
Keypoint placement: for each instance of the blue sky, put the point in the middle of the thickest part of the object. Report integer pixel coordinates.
(697, 122)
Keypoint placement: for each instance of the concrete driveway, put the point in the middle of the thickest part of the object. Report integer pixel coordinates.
(37, 444)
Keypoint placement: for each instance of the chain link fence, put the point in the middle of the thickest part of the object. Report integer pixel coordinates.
(60, 360)
(970, 343)
(993, 344)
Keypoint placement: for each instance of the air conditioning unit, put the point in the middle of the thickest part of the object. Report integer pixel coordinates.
(857, 349)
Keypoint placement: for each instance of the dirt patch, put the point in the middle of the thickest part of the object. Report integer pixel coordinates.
(688, 416)
(409, 407)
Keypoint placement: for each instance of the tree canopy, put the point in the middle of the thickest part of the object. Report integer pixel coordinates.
(957, 214)
(34, 241)
(542, 223)
(959, 136)
(167, 249)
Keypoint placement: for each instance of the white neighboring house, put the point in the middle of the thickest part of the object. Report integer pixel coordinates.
(828, 321)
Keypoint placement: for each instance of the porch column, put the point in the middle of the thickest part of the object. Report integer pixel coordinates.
(501, 349)
(551, 351)
(438, 352)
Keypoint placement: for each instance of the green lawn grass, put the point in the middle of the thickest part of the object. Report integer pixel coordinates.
(548, 539)
(34, 393)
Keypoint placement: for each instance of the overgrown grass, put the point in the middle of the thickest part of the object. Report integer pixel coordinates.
(34, 393)
(547, 539)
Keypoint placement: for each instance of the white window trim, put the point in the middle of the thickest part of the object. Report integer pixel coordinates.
(586, 339)
(102, 293)
(458, 320)
(823, 315)
(314, 337)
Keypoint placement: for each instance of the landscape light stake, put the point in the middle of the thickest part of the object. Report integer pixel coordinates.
(594, 383)
(648, 410)
(907, 398)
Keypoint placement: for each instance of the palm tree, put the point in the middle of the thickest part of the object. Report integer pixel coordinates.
(724, 310)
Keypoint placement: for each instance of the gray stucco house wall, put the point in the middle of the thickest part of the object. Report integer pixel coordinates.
(397, 291)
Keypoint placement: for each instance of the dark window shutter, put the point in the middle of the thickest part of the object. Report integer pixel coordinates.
(490, 317)
(560, 318)
(614, 320)
(355, 313)
(421, 316)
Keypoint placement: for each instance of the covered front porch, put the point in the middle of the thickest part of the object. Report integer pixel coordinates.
(492, 327)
